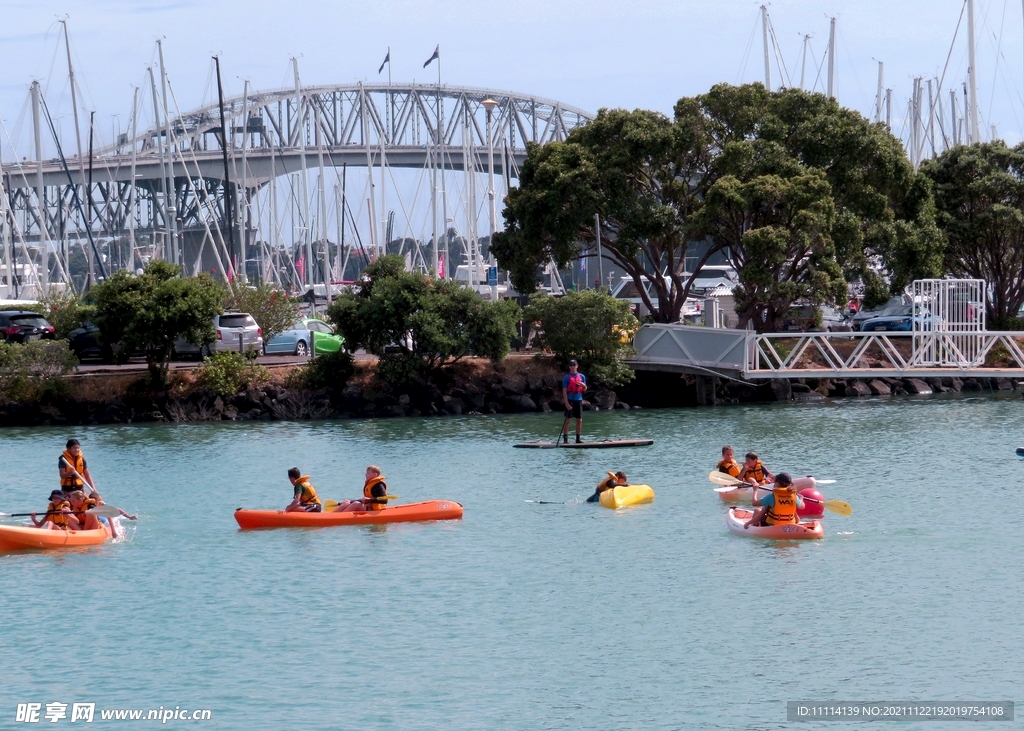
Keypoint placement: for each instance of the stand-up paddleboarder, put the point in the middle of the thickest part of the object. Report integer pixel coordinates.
(574, 384)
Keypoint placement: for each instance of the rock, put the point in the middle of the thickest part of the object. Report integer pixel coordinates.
(218, 405)
(546, 407)
(368, 409)
(1003, 384)
(622, 405)
(534, 383)
(954, 383)
(514, 386)
(604, 399)
(971, 384)
(808, 396)
(879, 388)
(492, 407)
(396, 410)
(403, 400)
(519, 404)
(916, 385)
(229, 413)
(782, 389)
(857, 388)
(475, 398)
(936, 384)
(452, 405)
(800, 388)
(254, 414)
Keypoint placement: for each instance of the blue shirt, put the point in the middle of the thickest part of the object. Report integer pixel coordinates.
(565, 385)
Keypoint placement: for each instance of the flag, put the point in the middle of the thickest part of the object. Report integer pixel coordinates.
(437, 55)
(387, 60)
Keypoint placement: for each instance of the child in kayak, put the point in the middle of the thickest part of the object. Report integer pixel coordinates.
(779, 506)
(613, 479)
(375, 491)
(305, 499)
(58, 514)
(754, 471)
(729, 465)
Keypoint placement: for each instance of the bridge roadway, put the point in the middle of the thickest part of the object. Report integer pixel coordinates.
(747, 355)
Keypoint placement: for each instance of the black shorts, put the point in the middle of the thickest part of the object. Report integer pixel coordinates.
(575, 410)
(312, 507)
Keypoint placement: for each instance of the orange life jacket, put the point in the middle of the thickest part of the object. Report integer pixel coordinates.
(70, 481)
(784, 509)
(374, 502)
(306, 492)
(55, 516)
(576, 385)
(757, 472)
(730, 467)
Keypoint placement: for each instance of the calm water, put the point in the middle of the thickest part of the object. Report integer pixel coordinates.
(526, 616)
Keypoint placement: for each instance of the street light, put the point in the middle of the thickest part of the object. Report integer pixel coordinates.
(489, 105)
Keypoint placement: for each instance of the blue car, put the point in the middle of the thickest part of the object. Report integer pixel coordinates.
(303, 334)
(899, 318)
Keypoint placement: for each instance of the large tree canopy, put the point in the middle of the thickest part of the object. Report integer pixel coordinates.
(797, 192)
(979, 194)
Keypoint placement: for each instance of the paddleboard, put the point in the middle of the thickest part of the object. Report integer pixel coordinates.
(605, 444)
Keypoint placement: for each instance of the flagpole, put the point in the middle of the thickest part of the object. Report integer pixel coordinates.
(444, 189)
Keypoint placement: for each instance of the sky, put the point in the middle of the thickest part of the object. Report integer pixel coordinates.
(592, 54)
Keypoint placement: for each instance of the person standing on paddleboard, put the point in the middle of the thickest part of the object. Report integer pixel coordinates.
(574, 385)
(74, 473)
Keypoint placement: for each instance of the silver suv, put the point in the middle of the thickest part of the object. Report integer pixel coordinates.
(236, 331)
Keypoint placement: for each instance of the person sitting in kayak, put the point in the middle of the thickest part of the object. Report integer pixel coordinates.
(779, 506)
(754, 471)
(80, 507)
(374, 492)
(729, 465)
(58, 514)
(305, 499)
(613, 479)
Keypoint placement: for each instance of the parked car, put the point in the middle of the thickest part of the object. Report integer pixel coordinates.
(85, 343)
(20, 326)
(229, 327)
(803, 319)
(864, 315)
(304, 331)
(900, 318)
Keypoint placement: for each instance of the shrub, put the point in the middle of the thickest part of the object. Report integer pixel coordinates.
(64, 310)
(35, 370)
(273, 310)
(227, 372)
(332, 370)
(592, 327)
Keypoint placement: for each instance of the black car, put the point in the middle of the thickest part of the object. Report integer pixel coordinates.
(20, 326)
(85, 342)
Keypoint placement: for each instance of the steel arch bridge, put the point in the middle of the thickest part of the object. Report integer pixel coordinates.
(165, 186)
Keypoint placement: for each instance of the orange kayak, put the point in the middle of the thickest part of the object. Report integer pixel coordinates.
(790, 532)
(428, 510)
(18, 537)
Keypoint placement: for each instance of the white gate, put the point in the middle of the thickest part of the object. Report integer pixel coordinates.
(948, 319)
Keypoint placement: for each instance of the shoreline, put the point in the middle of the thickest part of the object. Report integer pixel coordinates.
(474, 387)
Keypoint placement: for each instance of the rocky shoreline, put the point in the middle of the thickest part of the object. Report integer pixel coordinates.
(529, 386)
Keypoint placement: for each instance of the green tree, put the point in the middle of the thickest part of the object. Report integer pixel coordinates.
(34, 370)
(149, 312)
(592, 327)
(833, 193)
(273, 310)
(65, 310)
(419, 326)
(979, 194)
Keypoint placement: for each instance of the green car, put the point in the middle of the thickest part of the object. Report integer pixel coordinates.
(303, 332)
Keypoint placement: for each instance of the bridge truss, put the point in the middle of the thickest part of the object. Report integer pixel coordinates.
(161, 192)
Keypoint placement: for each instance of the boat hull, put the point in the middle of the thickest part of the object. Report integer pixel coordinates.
(20, 537)
(791, 532)
(411, 512)
(623, 496)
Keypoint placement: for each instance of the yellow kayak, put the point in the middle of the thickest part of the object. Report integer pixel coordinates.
(623, 495)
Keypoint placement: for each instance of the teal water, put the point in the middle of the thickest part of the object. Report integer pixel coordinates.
(526, 616)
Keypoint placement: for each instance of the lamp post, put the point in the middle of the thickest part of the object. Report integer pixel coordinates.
(489, 105)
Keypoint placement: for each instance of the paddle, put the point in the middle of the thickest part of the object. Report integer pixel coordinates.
(330, 505)
(729, 482)
(549, 502)
(102, 511)
(563, 429)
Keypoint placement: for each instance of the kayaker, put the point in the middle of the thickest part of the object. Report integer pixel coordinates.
(80, 505)
(779, 506)
(613, 479)
(305, 499)
(754, 471)
(374, 492)
(58, 514)
(729, 465)
(74, 472)
(574, 385)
